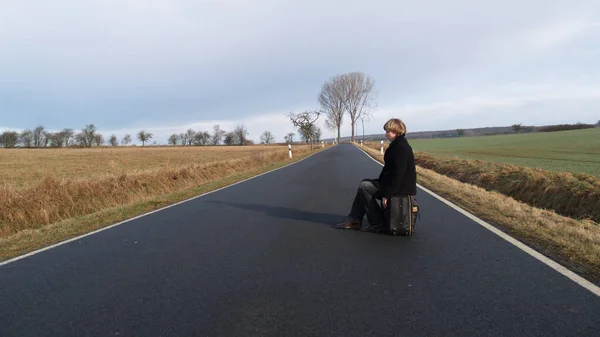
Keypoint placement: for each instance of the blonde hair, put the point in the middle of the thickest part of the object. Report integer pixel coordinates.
(395, 125)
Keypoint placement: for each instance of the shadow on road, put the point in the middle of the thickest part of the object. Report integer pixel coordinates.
(288, 213)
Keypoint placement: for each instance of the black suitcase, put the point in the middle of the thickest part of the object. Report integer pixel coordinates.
(401, 215)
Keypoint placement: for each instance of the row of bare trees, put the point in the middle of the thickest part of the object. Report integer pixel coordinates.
(89, 136)
(348, 94)
(40, 137)
(86, 137)
(239, 136)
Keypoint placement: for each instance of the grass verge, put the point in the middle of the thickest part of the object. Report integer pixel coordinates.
(573, 243)
(30, 239)
(569, 194)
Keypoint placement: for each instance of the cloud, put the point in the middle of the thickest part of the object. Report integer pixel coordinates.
(553, 35)
(559, 104)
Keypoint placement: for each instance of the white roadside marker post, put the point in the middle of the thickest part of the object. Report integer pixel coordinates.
(290, 150)
(382, 147)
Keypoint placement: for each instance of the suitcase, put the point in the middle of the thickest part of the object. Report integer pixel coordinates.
(401, 215)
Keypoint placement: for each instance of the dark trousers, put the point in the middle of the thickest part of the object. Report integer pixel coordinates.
(365, 202)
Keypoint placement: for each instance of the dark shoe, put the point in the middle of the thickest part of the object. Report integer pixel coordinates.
(349, 224)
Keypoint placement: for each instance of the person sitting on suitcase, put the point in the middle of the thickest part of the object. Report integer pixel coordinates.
(398, 176)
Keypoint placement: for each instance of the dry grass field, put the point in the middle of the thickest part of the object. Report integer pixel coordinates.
(40, 187)
(27, 167)
(571, 242)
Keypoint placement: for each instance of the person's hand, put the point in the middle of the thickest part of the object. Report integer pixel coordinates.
(384, 202)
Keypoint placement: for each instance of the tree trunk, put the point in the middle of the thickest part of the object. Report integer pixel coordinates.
(338, 137)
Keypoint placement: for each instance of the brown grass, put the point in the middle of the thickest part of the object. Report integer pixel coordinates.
(28, 167)
(149, 174)
(573, 243)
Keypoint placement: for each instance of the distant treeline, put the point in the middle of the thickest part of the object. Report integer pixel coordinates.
(486, 131)
(89, 136)
(565, 127)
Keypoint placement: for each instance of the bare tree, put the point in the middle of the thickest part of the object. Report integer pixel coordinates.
(230, 138)
(184, 138)
(38, 136)
(144, 136)
(217, 135)
(317, 133)
(9, 139)
(173, 139)
(267, 138)
(58, 139)
(80, 139)
(113, 140)
(27, 137)
(332, 99)
(53, 139)
(305, 136)
(314, 134)
(358, 96)
(289, 138)
(206, 138)
(202, 138)
(86, 136)
(98, 139)
(304, 121)
(2, 137)
(89, 133)
(48, 138)
(241, 133)
(66, 135)
(187, 138)
(190, 136)
(126, 139)
(516, 128)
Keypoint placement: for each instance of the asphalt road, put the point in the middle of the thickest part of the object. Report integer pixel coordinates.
(262, 258)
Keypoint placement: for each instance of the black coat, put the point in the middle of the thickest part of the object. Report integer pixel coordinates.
(399, 174)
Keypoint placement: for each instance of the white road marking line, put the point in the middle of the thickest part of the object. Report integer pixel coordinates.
(540, 257)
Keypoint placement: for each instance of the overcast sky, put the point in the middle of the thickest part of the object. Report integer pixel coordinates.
(166, 66)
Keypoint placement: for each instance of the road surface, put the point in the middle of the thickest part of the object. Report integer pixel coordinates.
(262, 258)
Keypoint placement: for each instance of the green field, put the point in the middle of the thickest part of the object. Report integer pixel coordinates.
(575, 151)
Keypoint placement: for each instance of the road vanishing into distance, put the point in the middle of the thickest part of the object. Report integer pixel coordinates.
(263, 258)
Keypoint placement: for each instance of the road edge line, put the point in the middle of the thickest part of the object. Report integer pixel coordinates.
(37, 251)
(532, 252)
